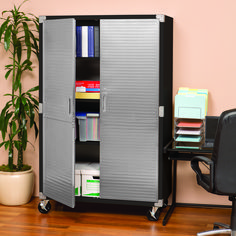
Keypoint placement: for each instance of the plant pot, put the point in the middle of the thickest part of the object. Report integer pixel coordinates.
(16, 188)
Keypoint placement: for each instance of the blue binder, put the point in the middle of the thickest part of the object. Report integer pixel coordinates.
(79, 41)
(90, 41)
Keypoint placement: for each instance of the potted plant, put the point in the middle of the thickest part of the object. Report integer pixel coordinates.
(19, 37)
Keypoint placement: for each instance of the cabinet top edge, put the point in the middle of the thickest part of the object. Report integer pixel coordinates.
(160, 17)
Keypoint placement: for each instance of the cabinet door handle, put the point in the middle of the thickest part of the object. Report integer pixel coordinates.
(69, 106)
(104, 102)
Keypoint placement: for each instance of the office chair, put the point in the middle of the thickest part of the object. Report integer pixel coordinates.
(221, 178)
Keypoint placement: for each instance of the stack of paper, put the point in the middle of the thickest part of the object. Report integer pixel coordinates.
(189, 133)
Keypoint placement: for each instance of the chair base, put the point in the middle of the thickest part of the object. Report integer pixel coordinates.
(217, 231)
(225, 230)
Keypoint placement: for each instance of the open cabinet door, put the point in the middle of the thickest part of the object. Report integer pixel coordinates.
(59, 43)
(129, 109)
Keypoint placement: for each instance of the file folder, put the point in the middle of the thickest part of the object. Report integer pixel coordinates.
(84, 41)
(90, 41)
(79, 41)
(191, 103)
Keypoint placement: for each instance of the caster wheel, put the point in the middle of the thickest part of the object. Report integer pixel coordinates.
(44, 206)
(153, 216)
(216, 227)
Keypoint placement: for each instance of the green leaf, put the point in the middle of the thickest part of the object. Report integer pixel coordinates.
(29, 54)
(27, 65)
(17, 106)
(36, 88)
(22, 4)
(27, 39)
(7, 38)
(8, 66)
(5, 124)
(8, 73)
(7, 144)
(17, 82)
(23, 100)
(14, 127)
(3, 114)
(36, 53)
(35, 45)
(9, 94)
(17, 144)
(31, 114)
(2, 143)
(27, 109)
(3, 27)
(3, 12)
(35, 101)
(7, 118)
(26, 62)
(37, 24)
(36, 130)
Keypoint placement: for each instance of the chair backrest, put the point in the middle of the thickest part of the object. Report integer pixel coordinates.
(224, 154)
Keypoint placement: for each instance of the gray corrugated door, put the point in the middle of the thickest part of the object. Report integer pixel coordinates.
(58, 110)
(129, 109)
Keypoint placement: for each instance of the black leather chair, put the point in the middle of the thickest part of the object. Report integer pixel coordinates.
(221, 178)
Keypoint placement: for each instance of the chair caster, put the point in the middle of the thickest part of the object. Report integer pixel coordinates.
(153, 215)
(44, 206)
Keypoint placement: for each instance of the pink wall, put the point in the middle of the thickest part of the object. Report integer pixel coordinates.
(204, 53)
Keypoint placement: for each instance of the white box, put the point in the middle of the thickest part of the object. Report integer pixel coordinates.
(91, 181)
(78, 184)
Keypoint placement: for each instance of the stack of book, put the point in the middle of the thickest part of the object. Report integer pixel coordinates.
(89, 126)
(87, 89)
(87, 41)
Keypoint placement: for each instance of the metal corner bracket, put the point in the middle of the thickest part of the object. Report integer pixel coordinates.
(161, 18)
(160, 203)
(40, 108)
(42, 19)
(161, 111)
(42, 196)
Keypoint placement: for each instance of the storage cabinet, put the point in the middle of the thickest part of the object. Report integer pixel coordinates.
(134, 68)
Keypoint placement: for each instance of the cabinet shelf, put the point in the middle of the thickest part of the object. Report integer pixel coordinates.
(88, 58)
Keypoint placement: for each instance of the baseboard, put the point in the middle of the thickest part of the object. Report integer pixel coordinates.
(203, 205)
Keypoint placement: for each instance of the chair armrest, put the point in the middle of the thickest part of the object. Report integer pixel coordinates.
(200, 176)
